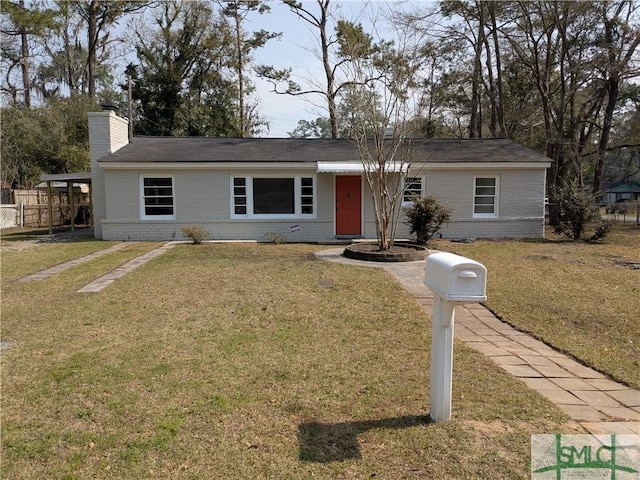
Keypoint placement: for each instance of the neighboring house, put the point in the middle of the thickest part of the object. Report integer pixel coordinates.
(620, 192)
(306, 190)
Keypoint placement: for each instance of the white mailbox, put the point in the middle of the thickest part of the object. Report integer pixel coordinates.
(455, 278)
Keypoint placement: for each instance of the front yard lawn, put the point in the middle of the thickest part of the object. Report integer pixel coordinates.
(243, 361)
(581, 298)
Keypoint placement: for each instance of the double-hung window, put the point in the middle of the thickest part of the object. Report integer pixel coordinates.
(307, 196)
(273, 197)
(157, 197)
(485, 197)
(413, 186)
(239, 195)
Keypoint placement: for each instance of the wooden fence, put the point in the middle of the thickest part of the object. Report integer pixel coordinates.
(30, 208)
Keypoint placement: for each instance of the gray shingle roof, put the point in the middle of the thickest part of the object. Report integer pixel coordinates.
(623, 187)
(206, 149)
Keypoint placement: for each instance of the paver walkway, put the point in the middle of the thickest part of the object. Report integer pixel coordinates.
(598, 403)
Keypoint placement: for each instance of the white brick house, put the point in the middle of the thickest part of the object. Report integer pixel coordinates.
(306, 190)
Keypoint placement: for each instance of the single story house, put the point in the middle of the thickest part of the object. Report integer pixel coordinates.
(305, 190)
(621, 192)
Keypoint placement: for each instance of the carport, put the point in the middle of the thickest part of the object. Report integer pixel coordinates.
(69, 179)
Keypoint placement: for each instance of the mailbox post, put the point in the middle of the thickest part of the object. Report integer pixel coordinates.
(453, 280)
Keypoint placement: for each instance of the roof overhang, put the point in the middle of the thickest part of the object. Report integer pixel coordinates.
(481, 165)
(84, 177)
(357, 167)
(82, 186)
(111, 165)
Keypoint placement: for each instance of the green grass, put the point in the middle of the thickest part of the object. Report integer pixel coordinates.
(582, 298)
(232, 361)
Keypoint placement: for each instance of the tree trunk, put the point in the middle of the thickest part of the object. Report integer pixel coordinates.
(242, 123)
(483, 41)
(24, 63)
(475, 120)
(502, 129)
(92, 46)
(612, 97)
(617, 63)
(71, 61)
(328, 70)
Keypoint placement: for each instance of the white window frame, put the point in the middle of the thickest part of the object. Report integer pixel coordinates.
(143, 214)
(239, 195)
(297, 192)
(408, 180)
(495, 196)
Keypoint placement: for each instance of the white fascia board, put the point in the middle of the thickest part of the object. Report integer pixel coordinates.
(340, 167)
(63, 177)
(479, 166)
(208, 165)
(415, 166)
(359, 167)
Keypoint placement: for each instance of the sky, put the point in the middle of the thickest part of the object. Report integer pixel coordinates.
(291, 50)
(295, 49)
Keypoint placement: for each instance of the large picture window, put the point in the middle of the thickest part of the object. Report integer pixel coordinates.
(157, 200)
(273, 197)
(485, 197)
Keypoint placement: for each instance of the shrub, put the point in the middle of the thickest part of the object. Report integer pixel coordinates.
(576, 207)
(196, 234)
(602, 229)
(425, 217)
(274, 237)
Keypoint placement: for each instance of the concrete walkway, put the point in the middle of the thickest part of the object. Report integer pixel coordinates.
(599, 404)
(44, 274)
(106, 280)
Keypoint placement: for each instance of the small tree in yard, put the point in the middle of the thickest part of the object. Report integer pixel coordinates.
(576, 209)
(382, 96)
(425, 217)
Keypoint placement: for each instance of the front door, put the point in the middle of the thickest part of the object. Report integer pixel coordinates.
(348, 205)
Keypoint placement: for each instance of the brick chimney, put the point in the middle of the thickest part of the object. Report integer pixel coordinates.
(107, 133)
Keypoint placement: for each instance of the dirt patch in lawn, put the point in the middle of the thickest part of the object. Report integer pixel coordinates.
(18, 245)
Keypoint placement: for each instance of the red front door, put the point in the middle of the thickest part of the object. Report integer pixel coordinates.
(348, 205)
